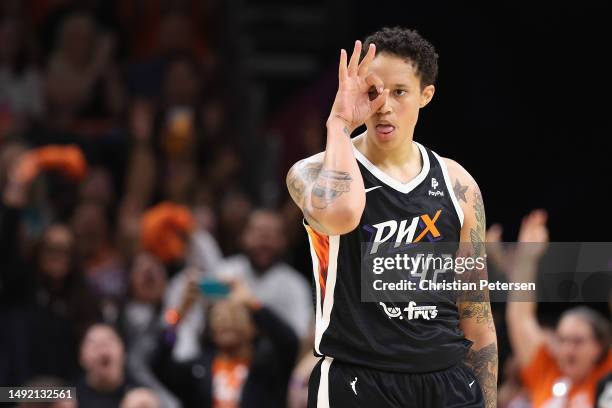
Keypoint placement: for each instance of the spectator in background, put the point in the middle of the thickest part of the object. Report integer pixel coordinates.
(260, 266)
(21, 99)
(247, 357)
(157, 31)
(104, 383)
(141, 312)
(102, 266)
(82, 82)
(139, 324)
(178, 138)
(567, 373)
(98, 187)
(51, 305)
(234, 211)
(175, 236)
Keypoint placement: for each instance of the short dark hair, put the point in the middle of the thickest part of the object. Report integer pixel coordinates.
(407, 44)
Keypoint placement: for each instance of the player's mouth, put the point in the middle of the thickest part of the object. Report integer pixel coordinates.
(384, 131)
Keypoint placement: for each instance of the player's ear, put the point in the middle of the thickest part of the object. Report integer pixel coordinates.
(426, 94)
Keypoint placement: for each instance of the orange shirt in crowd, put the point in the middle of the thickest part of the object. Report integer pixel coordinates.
(543, 373)
(229, 376)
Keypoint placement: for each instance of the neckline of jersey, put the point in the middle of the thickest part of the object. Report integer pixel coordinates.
(390, 181)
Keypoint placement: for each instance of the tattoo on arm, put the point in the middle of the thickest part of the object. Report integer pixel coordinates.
(300, 177)
(483, 363)
(460, 191)
(477, 234)
(329, 185)
(478, 309)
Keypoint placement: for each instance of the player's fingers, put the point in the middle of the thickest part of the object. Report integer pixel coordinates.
(342, 69)
(373, 80)
(379, 101)
(354, 62)
(365, 63)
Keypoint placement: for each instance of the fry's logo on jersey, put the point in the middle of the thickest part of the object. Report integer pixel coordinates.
(404, 233)
(412, 311)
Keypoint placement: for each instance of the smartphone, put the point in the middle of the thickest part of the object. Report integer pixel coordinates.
(214, 288)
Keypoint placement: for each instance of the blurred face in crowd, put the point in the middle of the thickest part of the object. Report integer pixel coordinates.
(264, 239)
(578, 349)
(90, 228)
(231, 325)
(140, 398)
(56, 252)
(176, 32)
(148, 279)
(102, 357)
(98, 187)
(396, 119)
(181, 84)
(77, 38)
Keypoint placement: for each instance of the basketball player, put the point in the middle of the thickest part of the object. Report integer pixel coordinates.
(370, 359)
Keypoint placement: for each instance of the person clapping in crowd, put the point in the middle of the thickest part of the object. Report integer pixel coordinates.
(564, 371)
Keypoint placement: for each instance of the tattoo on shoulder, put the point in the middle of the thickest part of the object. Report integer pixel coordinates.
(460, 191)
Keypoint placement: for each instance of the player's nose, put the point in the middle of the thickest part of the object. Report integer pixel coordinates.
(385, 107)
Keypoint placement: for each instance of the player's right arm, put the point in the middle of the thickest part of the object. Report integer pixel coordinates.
(524, 331)
(328, 187)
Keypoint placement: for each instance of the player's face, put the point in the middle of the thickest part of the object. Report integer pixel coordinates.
(578, 349)
(395, 120)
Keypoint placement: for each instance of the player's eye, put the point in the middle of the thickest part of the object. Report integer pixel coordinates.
(399, 92)
(372, 93)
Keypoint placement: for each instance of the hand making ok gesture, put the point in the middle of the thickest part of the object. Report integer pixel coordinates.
(360, 93)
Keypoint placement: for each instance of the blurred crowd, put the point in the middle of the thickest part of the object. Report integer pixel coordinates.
(137, 261)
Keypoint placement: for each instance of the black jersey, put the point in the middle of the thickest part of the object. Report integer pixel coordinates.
(372, 334)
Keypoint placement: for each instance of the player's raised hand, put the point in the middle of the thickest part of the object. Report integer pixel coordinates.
(360, 92)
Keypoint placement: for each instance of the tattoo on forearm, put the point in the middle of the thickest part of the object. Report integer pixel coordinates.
(477, 234)
(478, 309)
(329, 185)
(460, 191)
(484, 364)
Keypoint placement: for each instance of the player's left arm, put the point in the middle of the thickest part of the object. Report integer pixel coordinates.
(475, 316)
